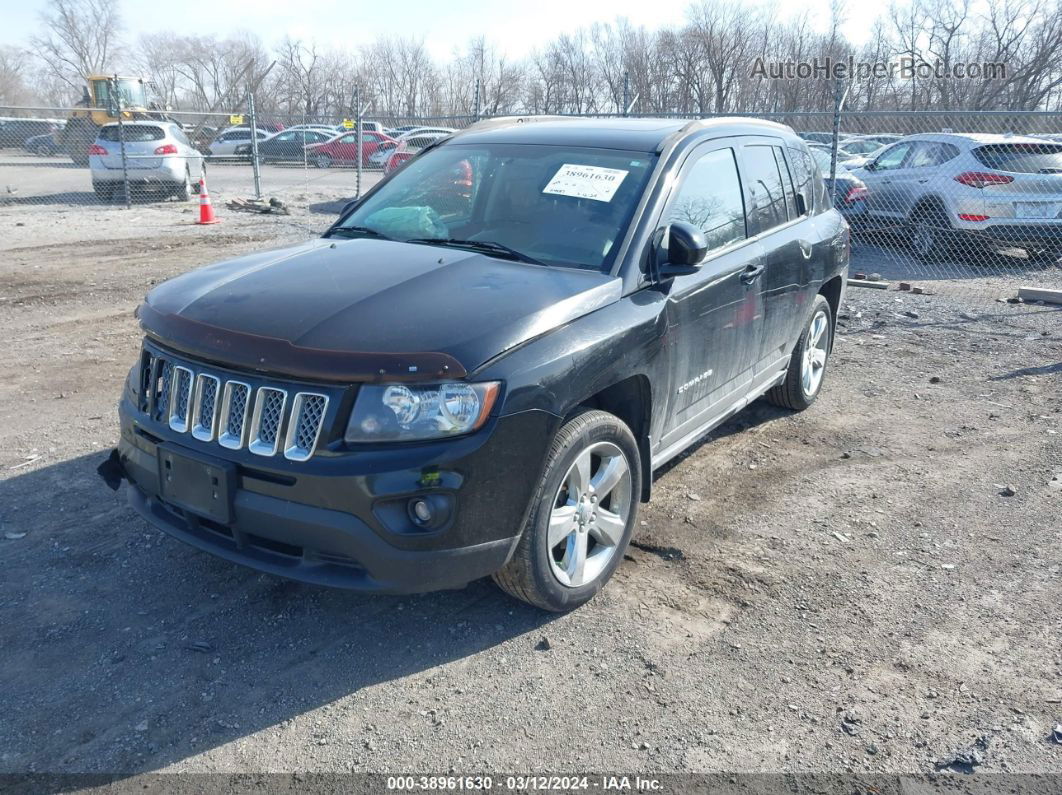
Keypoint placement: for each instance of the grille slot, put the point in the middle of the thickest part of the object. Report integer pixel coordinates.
(266, 420)
(180, 398)
(164, 370)
(304, 426)
(234, 405)
(230, 412)
(204, 407)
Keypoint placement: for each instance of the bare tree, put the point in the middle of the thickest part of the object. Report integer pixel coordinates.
(80, 38)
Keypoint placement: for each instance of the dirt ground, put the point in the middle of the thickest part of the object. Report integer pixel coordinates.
(847, 589)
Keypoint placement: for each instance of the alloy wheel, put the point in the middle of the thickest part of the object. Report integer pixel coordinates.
(816, 347)
(589, 516)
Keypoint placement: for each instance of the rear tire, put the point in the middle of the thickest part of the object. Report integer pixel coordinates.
(929, 234)
(184, 192)
(105, 193)
(807, 364)
(582, 515)
(323, 161)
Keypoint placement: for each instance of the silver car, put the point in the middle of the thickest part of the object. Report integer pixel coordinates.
(158, 156)
(969, 192)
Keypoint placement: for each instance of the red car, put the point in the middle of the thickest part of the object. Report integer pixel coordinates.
(343, 149)
(408, 148)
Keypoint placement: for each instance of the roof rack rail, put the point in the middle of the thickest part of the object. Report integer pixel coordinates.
(507, 121)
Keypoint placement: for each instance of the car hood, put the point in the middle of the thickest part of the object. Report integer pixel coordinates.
(356, 310)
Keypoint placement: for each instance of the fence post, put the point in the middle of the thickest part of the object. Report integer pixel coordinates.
(116, 94)
(254, 146)
(477, 103)
(626, 93)
(357, 128)
(840, 93)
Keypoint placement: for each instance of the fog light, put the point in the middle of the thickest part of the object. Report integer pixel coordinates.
(421, 512)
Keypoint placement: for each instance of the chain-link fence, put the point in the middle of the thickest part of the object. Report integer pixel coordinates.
(942, 200)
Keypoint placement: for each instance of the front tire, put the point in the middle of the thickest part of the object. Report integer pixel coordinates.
(807, 365)
(582, 515)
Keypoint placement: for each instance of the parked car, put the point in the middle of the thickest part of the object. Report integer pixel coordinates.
(379, 158)
(396, 132)
(425, 131)
(159, 157)
(289, 146)
(408, 147)
(15, 131)
(851, 193)
(969, 190)
(343, 149)
(453, 383)
(817, 137)
(854, 147)
(229, 140)
(44, 145)
(881, 139)
(858, 161)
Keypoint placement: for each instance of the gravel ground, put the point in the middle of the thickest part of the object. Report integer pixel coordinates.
(871, 585)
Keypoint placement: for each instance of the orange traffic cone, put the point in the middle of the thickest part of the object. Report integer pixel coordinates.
(206, 209)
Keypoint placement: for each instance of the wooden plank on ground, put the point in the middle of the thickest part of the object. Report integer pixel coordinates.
(868, 283)
(1040, 294)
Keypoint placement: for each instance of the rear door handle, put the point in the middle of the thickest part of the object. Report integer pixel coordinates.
(752, 273)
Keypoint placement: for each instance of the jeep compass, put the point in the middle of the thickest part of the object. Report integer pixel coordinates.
(477, 368)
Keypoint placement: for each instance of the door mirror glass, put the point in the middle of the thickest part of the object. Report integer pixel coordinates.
(686, 247)
(801, 205)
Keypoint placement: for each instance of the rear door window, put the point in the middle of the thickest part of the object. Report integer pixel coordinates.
(762, 175)
(133, 133)
(711, 199)
(1023, 158)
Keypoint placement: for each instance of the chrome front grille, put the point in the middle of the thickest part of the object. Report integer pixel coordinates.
(213, 407)
(268, 415)
(307, 417)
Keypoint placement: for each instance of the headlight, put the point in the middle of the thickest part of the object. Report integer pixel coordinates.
(397, 412)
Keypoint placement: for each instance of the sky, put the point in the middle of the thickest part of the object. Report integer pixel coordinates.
(515, 27)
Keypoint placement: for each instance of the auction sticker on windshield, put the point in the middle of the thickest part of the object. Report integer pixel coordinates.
(586, 182)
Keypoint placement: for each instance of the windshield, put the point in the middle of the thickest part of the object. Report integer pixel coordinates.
(554, 205)
(131, 90)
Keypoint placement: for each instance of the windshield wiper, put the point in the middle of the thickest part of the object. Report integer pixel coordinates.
(488, 246)
(358, 230)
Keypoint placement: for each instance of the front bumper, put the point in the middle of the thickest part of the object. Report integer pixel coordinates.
(332, 520)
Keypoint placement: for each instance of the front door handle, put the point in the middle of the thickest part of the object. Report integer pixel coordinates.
(752, 273)
(805, 248)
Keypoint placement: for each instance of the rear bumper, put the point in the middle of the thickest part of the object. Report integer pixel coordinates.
(341, 521)
(1025, 234)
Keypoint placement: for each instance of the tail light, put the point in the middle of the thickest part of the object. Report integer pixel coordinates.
(166, 149)
(96, 149)
(972, 217)
(855, 193)
(980, 179)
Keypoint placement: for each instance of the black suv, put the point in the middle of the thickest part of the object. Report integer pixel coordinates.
(478, 367)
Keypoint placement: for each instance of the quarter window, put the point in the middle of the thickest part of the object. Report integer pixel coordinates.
(710, 198)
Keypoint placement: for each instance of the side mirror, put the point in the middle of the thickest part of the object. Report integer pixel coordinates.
(686, 246)
(870, 165)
